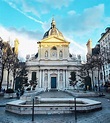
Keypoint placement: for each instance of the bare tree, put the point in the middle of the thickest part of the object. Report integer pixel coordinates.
(9, 59)
(73, 79)
(21, 75)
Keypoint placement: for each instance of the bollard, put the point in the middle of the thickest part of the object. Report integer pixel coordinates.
(75, 111)
(33, 110)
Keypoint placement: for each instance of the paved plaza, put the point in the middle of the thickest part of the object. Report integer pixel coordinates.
(100, 116)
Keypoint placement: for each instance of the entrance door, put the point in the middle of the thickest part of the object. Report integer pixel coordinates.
(53, 82)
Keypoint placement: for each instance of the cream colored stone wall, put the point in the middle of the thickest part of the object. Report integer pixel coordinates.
(47, 45)
(4, 84)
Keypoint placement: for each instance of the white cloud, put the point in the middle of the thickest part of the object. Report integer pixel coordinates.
(27, 7)
(15, 6)
(73, 25)
(38, 7)
(55, 3)
(77, 49)
(27, 44)
(85, 22)
(72, 12)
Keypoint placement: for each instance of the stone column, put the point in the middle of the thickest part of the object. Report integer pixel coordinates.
(68, 75)
(63, 84)
(66, 79)
(40, 79)
(49, 80)
(43, 83)
(29, 75)
(58, 83)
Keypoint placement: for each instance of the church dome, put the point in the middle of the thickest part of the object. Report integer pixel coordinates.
(53, 31)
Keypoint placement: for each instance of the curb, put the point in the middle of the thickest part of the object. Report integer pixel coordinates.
(3, 105)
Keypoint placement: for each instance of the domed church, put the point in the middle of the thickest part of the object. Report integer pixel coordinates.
(53, 63)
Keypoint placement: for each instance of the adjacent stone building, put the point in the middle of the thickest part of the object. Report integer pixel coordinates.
(104, 42)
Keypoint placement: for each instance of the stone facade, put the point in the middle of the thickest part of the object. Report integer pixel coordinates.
(104, 42)
(52, 65)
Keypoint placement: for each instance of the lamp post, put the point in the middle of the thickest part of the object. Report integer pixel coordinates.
(75, 110)
(33, 109)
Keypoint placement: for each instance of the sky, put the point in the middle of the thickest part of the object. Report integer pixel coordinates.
(78, 20)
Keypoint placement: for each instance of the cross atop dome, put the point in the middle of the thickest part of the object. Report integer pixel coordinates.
(53, 24)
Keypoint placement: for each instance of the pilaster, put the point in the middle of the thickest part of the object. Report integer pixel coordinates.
(58, 83)
(40, 78)
(63, 84)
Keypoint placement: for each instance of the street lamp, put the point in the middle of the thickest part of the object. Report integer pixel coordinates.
(33, 109)
(75, 110)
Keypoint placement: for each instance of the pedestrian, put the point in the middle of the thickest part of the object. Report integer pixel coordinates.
(102, 88)
(95, 87)
(106, 86)
(18, 93)
(4, 90)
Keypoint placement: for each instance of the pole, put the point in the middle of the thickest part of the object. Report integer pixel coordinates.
(75, 110)
(98, 81)
(33, 110)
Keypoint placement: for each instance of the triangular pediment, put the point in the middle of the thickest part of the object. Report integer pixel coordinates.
(53, 39)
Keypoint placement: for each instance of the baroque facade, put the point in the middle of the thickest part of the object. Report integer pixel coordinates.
(52, 65)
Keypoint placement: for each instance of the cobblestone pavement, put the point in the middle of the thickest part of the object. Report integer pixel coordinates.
(100, 116)
(55, 94)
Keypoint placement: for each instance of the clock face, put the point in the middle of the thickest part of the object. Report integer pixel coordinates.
(53, 53)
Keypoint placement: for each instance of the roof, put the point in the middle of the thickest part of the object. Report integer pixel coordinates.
(107, 30)
(96, 50)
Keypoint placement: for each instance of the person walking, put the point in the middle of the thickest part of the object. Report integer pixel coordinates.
(18, 93)
(96, 84)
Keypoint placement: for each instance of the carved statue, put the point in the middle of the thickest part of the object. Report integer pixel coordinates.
(16, 44)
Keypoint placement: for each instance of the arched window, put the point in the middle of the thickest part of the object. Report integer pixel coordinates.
(60, 54)
(54, 48)
(46, 54)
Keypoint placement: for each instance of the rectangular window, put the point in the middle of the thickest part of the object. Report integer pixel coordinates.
(33, 76)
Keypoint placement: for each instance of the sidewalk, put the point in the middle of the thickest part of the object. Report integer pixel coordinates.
(107, 95)
(3, 101)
